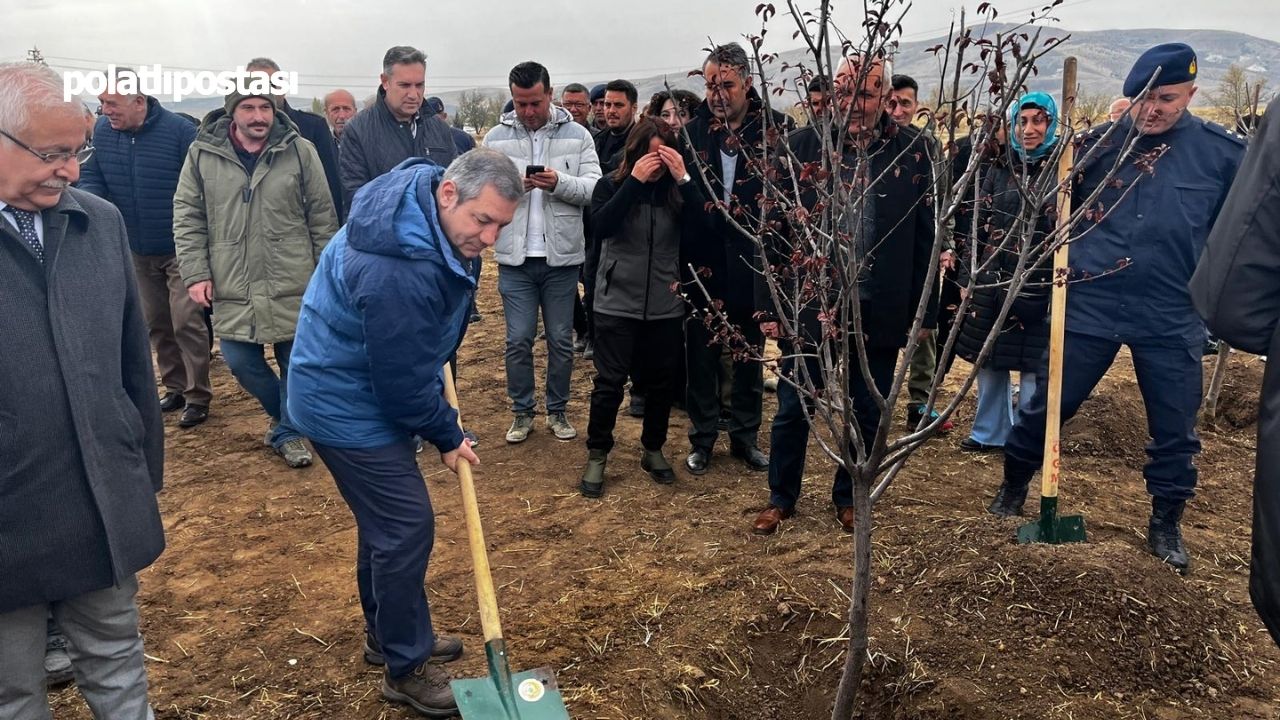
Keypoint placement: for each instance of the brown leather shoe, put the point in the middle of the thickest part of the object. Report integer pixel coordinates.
(845, 515)
(769, 519)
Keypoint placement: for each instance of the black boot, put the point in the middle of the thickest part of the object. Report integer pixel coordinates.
(1012, 493)
(1164, 535)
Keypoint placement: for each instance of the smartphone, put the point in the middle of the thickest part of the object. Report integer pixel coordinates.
(533, 170)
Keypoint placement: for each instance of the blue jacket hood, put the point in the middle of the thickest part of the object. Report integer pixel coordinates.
(1046, 103)
(395, 214)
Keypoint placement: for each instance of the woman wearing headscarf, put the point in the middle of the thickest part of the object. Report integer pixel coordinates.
(1005, 228)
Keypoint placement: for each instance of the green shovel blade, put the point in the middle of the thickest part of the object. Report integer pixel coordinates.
(1052, 528)
(534, 696)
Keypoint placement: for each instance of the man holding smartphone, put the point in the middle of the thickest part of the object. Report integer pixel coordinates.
(540, 253)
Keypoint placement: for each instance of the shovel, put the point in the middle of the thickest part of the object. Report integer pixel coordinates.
(1052, 528)
(529, 695)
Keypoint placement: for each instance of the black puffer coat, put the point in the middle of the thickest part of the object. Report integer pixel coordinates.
(1024, 338)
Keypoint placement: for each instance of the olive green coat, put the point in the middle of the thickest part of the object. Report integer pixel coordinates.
(257, 237)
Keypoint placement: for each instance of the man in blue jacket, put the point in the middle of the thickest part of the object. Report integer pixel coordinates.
(139, 148)
(1129, 273)
(380, 318)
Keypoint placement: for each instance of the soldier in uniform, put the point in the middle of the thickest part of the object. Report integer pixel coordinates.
(1129, 269)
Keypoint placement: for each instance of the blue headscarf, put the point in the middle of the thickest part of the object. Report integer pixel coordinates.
(1044, 102)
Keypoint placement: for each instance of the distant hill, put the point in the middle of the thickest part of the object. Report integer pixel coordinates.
(1105, 57)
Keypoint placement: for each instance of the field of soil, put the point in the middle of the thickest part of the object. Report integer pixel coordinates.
(658, 602)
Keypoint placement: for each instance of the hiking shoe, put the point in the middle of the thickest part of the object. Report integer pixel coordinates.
(1009, 500)
(447, 649)
(426, 690)
(560, 426)
(295, 453)
(520, 428)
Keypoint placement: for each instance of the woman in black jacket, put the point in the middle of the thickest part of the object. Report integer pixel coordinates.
(1024, 337)
(637, 215)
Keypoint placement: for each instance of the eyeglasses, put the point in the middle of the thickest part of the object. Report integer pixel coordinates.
(81, 156)
(575, 105)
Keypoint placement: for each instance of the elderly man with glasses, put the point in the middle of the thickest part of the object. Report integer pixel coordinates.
(81, 439)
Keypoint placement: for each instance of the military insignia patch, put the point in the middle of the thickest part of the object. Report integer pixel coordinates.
(1192, 69)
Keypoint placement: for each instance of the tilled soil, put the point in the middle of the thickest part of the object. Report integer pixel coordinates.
(658, 602)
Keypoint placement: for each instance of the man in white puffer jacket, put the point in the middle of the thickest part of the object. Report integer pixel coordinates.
(540, 252)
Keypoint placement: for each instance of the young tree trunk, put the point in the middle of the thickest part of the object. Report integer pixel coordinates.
(1210, 415)
(856, 656)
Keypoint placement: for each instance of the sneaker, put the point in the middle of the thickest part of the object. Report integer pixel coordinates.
(589, 350)
(57, 663)
(915, 414)
(295, 453)
(520, 428)
(271, 430)
(426, 690)
(560, 426)
(417, 445)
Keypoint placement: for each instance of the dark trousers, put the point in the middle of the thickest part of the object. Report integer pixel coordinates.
(789, 436)
(649, 351)
(948, 304)
(702, 365)
(395, 528)
(177, 328)
(1170, 380)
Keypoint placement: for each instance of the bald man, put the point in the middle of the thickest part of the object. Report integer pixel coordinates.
(339, 107)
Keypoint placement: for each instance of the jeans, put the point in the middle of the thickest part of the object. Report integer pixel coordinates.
(994, 416)
(1169, 378)
(395, 530)
(649, 350)
(248, 363)
(105, 648)
(789, 436)
(524, 289)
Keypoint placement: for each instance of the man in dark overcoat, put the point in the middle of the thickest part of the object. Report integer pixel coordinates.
(81, 439)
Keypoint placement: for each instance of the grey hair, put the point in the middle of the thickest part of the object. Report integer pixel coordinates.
(263, 62)
(402, 55)
(27, 89)
(483, 167)
(731, 55)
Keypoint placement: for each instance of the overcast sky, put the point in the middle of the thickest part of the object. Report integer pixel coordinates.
(333, 43)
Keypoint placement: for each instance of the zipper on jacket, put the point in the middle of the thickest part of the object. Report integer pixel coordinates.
(648, 275)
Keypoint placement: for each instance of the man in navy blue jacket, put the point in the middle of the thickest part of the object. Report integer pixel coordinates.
(1131, 261)
(139, 148)
(381, 316)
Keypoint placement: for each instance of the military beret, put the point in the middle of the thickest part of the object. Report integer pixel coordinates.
(1175, 61)
(433, 105)
(597, 92)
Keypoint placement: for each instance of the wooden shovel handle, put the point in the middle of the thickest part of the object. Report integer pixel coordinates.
(485, 594)
(1058, 313)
